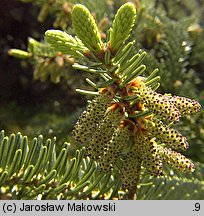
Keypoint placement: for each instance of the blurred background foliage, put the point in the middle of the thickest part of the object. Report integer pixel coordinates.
(37, 103)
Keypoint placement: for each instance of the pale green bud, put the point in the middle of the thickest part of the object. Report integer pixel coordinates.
(122, 25)
(64, 42)
(19, 53)
(86, 28)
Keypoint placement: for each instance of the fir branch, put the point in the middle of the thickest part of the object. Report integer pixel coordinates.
(143, 108)
(35, 169)
(173, 187)
(126, 109)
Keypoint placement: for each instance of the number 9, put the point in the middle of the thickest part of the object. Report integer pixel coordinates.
(197, 206)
